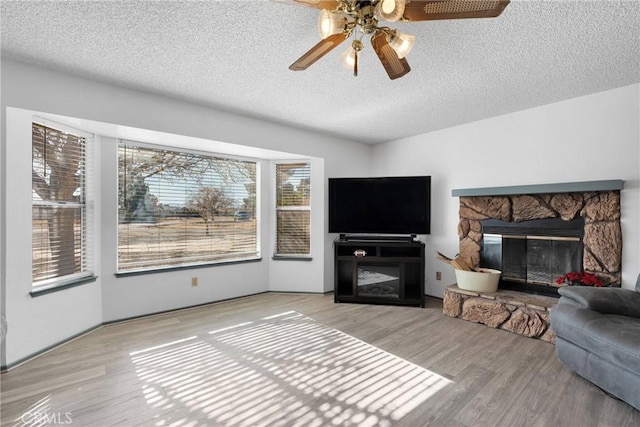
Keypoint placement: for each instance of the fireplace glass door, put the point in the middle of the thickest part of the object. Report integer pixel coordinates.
(551, 257)
(531, 258)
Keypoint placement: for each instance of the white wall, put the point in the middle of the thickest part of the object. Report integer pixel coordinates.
(36, 323)
(306, 272)
(3, 248)
(590, 138)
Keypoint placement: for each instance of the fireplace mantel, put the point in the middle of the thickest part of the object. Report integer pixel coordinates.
(566, 187)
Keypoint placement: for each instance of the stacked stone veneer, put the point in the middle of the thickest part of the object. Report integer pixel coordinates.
(602, 231)
(522, 314)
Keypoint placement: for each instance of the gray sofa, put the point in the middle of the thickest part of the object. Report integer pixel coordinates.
(598, 337)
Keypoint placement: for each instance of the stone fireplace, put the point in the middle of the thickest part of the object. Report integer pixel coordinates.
(540, 236)
(534, 234)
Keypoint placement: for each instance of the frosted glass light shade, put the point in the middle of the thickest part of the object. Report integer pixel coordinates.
(348, 58)
(330, 23)
(391, 10)
(402, 43)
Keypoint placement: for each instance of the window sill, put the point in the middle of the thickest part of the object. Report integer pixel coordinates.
(184, 267)
(292, 258)
(48, 289)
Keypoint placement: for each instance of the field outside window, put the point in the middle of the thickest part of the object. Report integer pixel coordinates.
(180, 208)
(293, 209)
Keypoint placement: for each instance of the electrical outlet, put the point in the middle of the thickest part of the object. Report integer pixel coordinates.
(438, 275)
(194, 281)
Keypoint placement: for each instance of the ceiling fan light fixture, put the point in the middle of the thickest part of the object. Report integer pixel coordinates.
(402, 43)
(391, 10)
(340, 19)
(348, 58)
(330, 23)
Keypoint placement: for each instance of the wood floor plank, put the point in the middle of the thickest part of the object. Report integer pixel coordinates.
(295, 359)
(51, 384)
(498, 396)
(537, 396)
(442, 408)
(586, 401)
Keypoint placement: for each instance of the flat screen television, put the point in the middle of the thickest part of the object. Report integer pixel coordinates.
(390, 205)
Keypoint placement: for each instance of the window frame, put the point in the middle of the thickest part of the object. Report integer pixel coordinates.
(86, 206)
(188, 265)
(299, 208)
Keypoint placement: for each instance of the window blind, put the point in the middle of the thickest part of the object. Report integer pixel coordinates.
(293, 209)
(181, 208)
(60, 237)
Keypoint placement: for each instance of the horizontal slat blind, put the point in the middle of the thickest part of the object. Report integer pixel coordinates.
(59, 225)
(293, 210)
(180, 208)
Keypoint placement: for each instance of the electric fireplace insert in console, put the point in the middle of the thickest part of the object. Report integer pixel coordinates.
(389, 271)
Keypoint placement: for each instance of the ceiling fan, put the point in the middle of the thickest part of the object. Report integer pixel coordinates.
(340, 19)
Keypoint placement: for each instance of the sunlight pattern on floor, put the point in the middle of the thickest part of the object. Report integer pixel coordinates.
(281, 370)
(37, 415)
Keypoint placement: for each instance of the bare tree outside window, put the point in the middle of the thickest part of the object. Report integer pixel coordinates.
(209, 202)
(180, 207)
(59, 205)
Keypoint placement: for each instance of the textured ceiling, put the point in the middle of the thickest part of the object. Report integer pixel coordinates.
(234, 55)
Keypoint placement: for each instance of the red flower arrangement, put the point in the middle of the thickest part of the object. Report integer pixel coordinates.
(578, 278)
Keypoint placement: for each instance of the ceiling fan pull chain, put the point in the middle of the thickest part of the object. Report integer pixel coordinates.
(357, 47)
(355, 64)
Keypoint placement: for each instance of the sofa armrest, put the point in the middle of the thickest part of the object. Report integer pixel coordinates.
(623, 302)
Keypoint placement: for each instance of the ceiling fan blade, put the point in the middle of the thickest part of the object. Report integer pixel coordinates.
(318, 51)
(318, 4)
(430, 10)
(395, 67)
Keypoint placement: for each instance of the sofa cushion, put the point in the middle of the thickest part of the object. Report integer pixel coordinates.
(624, 302)
(613, 337)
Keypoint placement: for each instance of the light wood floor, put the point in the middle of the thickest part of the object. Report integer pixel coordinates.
(288, 359)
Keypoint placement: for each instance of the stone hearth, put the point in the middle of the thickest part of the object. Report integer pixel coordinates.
(517, 312)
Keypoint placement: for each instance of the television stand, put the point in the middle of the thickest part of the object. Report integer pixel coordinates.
(366, 237)
(378, 270)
